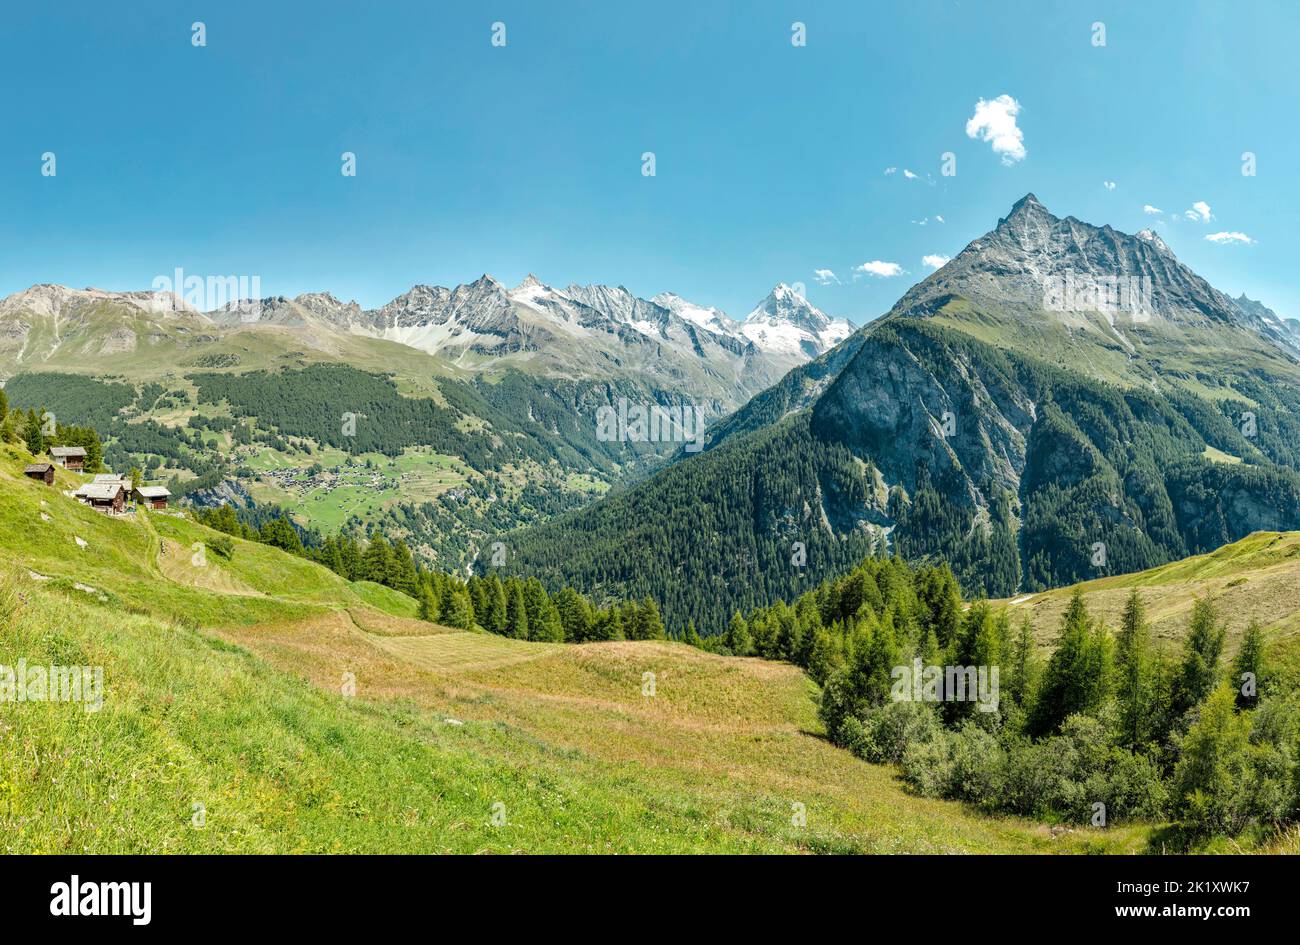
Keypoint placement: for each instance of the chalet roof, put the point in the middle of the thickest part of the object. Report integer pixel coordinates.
(99, 490)
(153, 492)
(66, 451)
(110, 477)
(38, 468)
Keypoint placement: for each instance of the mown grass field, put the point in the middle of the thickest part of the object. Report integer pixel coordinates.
(304, 713)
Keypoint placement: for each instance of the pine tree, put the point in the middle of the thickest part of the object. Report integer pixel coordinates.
(1200, 668)
(461, 611)
(874, 658)
(350, 553)
(428, 604)
(280, 533)
(494, 619)
(941, 598)
(403, 574)
(1211, 779)
(824, 656)
(1134, 675)
(478, 594)
(32, 437)
(1025, 668)
(1077, 678)
(1249, 670)
(575, 615)
(738, 638)
(650, 622)
(691, 636)
(544, 623)
(516, 611)
(377, 561)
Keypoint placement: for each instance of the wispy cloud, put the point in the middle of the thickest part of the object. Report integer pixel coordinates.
(935, 261)
(995, 122)
(825, 277)
(908, 174)
(881, 270)
(1200, 212)
(1108, 184)
(1147, 208)
(1229, 237)
(891, 170)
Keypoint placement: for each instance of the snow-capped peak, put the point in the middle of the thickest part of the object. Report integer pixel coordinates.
(788, 324)
(1152, 237)
(713, 319)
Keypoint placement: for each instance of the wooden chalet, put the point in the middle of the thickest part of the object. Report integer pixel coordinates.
(104, 496)
(43, 472)
(152, 497)
(69, 457)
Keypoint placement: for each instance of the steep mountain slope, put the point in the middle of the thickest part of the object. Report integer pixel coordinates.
(1030, 435)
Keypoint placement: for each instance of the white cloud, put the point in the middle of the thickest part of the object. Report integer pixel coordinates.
(995, 122)
(1200, 212)
(1108, 184)
(934, 260)
(939, 218)
(891, 170)
(1233, 237)
(881, 270)
(1147, 208)
(908, 174)
(825, 277)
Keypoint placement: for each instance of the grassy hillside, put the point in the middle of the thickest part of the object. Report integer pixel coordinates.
(228, 685)
(1257, 578)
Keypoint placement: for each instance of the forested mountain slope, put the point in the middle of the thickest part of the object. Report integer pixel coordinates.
(1029, 445)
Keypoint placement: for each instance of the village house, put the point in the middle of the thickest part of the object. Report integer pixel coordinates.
(153, 497)
(69, 457)
(43, 472)
(104, 496)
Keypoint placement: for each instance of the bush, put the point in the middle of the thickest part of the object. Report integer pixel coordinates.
(892, 727)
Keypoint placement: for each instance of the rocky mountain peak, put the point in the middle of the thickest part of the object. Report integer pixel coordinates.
(787, 323)
(1153, 238)
(784, 304)
(1029, 223)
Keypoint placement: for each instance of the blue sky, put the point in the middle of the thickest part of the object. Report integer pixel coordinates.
(770, 158)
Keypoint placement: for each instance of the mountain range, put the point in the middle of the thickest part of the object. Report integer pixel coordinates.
(670, 346)
(479, 402)
(1057, 402)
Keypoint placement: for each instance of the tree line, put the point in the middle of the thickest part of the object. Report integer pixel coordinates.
(1105, 727)
(28, 428)
(514, 606)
